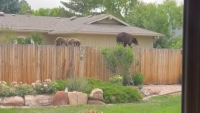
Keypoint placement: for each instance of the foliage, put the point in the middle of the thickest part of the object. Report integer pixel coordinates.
(10, 6)
(115, 93)
(47, 87)
(119, 8)
(163, 18)
(176, 43)
(119, 57)
(5, 90)
(22, 89)
(77, 84)
(37, 38)
(54, 12)
(116, 80)
(62, 84)
(138, 78)
(24, 7)
(7, 35)
(82, 7)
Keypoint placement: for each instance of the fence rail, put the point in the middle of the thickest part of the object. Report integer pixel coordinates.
(28, 63)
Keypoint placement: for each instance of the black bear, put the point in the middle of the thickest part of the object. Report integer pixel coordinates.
(125, 39)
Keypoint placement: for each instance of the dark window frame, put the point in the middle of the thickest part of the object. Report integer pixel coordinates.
(191, 57)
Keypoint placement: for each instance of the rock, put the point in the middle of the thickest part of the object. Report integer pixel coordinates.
(95, 102)
(60, 98)
(148, 92)
(154, 92)
(38, 100)
(13, 101)
(96, 94)
(1, 101)
(77, 98)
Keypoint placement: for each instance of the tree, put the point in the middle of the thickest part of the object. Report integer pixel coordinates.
(24, 7)
(55, 12)
(10, 6)
(82, 7)
(119, 8)
(163, 18)
(176, 43)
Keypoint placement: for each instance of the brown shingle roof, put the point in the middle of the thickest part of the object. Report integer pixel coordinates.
(54, 25)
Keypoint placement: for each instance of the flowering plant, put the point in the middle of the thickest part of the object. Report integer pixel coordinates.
(116, 80)
(5, 90)
(47, 86)
(22, 89)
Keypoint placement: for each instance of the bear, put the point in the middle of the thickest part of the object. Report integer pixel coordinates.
(73, 42)
(60, 41)
(125, 38)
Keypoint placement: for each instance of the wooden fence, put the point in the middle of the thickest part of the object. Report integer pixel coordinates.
(28, 63)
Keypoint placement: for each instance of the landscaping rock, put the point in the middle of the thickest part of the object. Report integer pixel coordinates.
(13, 101)
(60, 98)
(148, 92)
(96, 94)
(154, 92)
(77, 98)
(38, 100)
(1, 101)
(95, 102)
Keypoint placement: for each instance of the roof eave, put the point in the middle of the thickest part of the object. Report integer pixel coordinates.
(102, 33)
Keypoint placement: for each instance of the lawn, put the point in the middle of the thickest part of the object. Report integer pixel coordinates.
(159, 104)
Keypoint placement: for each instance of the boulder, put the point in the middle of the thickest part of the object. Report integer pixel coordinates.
(60, 98)
(154, 92)
(38, 100)
(13, 101)
(95, 102)
(77, 98)
(1, 101)
(96, 94)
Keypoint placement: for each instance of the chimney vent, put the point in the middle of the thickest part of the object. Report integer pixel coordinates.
(1, 13)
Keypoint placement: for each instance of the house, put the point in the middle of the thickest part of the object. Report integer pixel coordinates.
(97, 30)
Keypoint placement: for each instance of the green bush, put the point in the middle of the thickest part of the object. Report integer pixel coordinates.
(114, 93)
(37, 38)
(47, 87)
(24, 89)
(6, 90)
(62, 84)
(138, 78)
(77, 84)
(116, 80)
(119, 60)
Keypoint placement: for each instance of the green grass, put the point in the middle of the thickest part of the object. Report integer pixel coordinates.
(159, 104)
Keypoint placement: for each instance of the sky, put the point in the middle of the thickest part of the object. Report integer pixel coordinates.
(36, 4)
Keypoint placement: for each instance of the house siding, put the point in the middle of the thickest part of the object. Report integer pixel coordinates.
(93, 40)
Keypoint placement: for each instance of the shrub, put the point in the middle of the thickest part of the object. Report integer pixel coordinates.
(77, 84)
(23, 89)
(138, 78)
(47, 87)
(116, 80)
(62, 84)
(114, 93)
(6, 90)
(119, 60)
